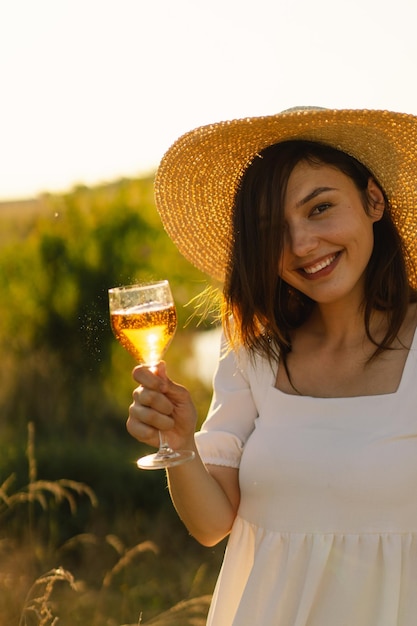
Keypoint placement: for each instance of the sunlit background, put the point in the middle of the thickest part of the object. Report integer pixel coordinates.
(92, 90)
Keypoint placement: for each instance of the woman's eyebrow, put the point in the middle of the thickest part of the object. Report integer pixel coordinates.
(313, 194)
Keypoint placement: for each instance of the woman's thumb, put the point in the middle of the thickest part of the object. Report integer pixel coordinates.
(161, 371)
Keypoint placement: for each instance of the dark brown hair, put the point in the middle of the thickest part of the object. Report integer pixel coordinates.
(260, 309)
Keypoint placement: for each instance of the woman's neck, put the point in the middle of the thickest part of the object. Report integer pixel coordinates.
(341, 324)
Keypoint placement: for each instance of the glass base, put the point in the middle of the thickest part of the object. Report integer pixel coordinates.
(162, 459)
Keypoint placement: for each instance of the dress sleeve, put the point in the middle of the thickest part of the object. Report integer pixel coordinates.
(232, 413)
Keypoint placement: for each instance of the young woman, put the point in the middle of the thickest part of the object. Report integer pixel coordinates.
(308, 457)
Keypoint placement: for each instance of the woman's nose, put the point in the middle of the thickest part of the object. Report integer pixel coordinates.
(302, 239)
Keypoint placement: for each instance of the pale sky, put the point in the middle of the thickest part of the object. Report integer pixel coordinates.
(93, 90)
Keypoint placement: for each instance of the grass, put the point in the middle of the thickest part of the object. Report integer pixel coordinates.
(86, 539)
(38, 490)
(96, 577)
(37, 605)
(188, 613)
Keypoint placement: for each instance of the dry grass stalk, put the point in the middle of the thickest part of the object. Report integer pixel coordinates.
(127, 558)
(39, 606)
(186, 613)
(37, 490)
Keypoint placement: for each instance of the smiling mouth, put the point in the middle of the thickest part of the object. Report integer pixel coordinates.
(313, 269)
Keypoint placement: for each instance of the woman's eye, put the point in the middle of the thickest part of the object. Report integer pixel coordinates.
(320, 208)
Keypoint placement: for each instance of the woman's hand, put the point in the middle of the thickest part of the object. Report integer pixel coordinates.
(159, 404)
(206, 498)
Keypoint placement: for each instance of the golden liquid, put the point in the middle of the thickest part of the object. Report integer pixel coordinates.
(145, 332)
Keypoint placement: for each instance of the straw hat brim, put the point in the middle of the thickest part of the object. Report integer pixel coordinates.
(198, 177)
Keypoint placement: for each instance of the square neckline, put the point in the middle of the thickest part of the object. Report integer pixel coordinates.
(412, 353)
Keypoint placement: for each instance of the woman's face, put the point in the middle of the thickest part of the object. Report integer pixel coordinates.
(328, 237)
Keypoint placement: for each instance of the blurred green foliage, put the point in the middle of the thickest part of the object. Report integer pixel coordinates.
(61, 367)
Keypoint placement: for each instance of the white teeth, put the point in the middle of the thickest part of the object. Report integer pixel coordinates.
(320, 266)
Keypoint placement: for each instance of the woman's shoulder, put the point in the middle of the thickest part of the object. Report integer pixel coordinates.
(239, 363)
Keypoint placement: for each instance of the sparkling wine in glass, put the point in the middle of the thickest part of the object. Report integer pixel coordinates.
(144, 320)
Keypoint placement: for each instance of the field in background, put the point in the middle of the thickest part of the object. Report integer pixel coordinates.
(85, 537)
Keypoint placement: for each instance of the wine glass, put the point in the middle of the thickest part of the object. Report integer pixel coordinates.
(144, 320)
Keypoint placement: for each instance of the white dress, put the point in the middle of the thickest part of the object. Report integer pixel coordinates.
(326, 532)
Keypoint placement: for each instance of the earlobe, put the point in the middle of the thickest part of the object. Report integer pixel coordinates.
(376, 200)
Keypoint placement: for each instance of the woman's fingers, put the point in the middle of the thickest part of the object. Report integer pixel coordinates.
(151, 408)
(147, 378)
(141, 431)
(159, 404)
(151, 399)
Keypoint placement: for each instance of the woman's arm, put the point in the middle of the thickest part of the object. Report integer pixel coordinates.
(205, 497)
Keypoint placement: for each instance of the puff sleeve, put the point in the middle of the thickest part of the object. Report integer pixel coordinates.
(232, 413)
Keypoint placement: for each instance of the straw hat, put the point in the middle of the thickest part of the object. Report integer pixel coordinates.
(198, 177)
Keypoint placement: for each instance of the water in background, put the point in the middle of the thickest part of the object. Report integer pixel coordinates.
(206, 350)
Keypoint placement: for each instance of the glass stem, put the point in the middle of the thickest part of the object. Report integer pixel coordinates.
(164, 447)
